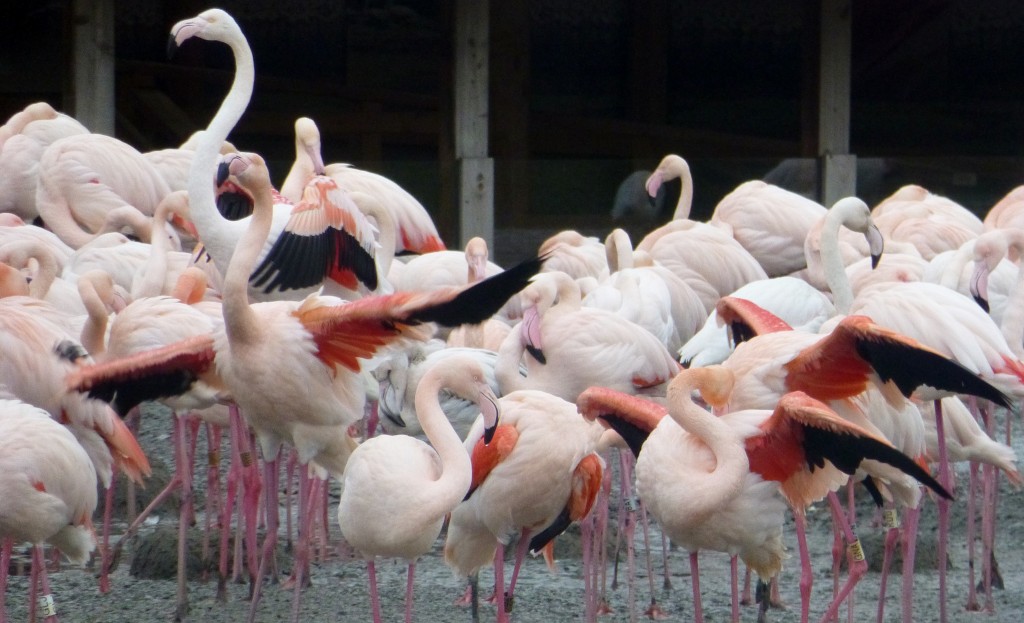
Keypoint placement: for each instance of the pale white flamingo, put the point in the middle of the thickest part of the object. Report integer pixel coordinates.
(770, 222)
(397, 490)
(714, 494)
(848, 228)
(558, 336)
(22, 141)
(995, 250)
(165, 264)
(113, 253)
(574, 254)
(799, 304)
(447, 268)
(646, 293)
(338, 242)
(48, 484)
(42, 270)
(416, 232)
(1007, 212)
(19, 230)
(539, 473)
(92, 183)
(932, 223)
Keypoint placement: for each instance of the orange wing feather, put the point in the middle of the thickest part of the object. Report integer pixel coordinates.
(485, 457)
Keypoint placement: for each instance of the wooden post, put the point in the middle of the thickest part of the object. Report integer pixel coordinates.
(93, 65)
(837, 167)
(472, 82)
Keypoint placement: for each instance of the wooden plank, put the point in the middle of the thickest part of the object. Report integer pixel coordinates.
(472, 116)
(93, 64)
(838, 168)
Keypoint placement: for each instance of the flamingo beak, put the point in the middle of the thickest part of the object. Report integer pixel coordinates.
(876, 243)
(223, 171)
(489, 409)
(979, 285)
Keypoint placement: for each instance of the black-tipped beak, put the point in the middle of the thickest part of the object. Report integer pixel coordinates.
(983, 302)
(223, 171)
(489, 433)
(537, 353)
(396, 418)
(172, 46)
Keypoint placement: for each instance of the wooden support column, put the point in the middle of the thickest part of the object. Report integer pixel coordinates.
(510, 111)
(93, 64)
(837, 167)
(472, 116)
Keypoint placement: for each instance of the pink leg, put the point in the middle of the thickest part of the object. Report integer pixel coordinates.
(653, 611)
(184, 468)
(213, 500)
(746, 597)
(972, 593)
(601, 529)
(698, 609)
(734, 577)
(40, 578)
(6, 544)
(302, 556)
(944, 480)
(409, 592)
(588, 543)
(524, 544)
(499, 582)
(892, 535)
(628, 523)
(909, 550)
(371, 569)
(667, 583)
(271, 477)
(106, 559)
(806, 575)
(855, 558)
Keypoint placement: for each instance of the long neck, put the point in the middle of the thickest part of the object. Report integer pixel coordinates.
(1012, 324)
(506, 366)
(385, 254)
(153, 274)
(731, 463)
(94, 330)
(683, 206)
(619, 250)
(204, 214)
(456, 468)
(832, 263)
(239, 319)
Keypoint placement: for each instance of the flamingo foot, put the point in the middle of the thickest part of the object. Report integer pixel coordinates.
(466, 599)
(603, 608)
(654, 612)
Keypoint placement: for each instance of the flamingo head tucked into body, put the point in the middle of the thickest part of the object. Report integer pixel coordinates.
(989, 249)
(212, 25)
(715, 384)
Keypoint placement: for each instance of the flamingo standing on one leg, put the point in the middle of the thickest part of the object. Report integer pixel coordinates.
(397, 490)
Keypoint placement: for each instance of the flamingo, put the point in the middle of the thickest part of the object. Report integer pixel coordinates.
(1006, 212)
(48, 485)
(44, 268)
(799, 304)
(22, 141)
(577, 255)
(621, 354)
(714, 496)
(990, 249)
(931, 223)
(93, 183)
(770, 222)
(647, 294)
(540, 472)
(292, 367)
(448, 268)
(416, 232)
(397, 490)
(400, 373)
(338, 246)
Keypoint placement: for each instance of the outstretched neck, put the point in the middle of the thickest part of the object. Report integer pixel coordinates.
(832, 263)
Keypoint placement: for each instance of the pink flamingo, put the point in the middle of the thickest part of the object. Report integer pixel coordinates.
(397, 490)
(48, 485)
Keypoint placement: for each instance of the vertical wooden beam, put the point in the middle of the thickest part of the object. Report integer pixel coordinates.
(510, 111)
(472, 116)
(838, 168)
(93, 65)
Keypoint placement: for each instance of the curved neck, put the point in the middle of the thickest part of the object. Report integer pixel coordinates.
(682, 170)
(202, 202)
(731, 463)
(1012, 325)
(619, 250)
(21, 252)
(832, 263)
(506, 365)
(386, 235)
(456, 468)
(93, 336)
(153, 275)
(128, 216)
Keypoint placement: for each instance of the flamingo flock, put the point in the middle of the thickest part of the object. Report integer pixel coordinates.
(730, 375)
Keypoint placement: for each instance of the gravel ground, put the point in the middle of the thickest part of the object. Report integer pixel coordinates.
(339, 587)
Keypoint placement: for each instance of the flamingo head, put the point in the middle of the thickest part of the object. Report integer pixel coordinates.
(212, 25)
